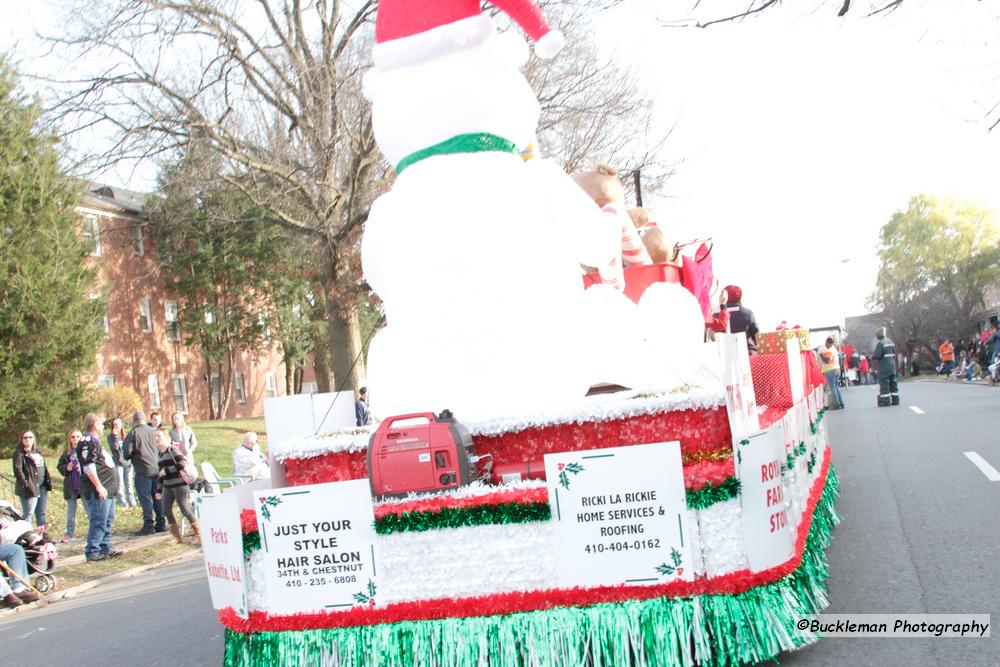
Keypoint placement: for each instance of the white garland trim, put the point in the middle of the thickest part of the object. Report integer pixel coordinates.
(600, 408)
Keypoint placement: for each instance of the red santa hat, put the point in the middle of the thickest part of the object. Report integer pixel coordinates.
(411, 31)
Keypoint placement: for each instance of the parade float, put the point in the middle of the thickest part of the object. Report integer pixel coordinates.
(509, 515)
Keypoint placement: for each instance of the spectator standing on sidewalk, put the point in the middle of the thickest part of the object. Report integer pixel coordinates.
(126, 472)
(155, 421)
(182, 434)
(69, 468)
(15, 594)
(362, 415)
(140, 448)
(171, 487)
(98, 489)
(31, 480)
(830, 365)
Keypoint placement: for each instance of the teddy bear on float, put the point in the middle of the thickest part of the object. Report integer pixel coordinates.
(475, 252)
(653, 344)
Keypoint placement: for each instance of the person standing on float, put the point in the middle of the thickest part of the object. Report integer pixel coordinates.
(885, 356)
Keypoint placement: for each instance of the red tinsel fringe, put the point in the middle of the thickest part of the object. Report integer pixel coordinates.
(697, 430)
(537, 495)
(511, 603)
(248, 521)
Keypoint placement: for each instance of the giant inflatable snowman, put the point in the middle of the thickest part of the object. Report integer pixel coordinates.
(485, 308)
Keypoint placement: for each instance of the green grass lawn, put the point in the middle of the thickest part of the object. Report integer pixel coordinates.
(216, 441)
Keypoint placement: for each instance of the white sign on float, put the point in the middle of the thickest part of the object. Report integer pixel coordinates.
(795, 369)
(767, 526)
(741, 403)
(222, 546)
(798, 476)
(621, 515)
(319, 546)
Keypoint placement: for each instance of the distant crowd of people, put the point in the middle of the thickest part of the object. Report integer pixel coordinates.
(149, 466)
(973, 358)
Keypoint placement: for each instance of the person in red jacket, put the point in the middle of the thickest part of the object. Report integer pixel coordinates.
(863, 369)
(720, 320)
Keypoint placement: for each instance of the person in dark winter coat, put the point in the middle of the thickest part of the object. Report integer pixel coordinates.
(741, 318)
(885, 357)
(140, 448)
(69, 468)
(32, 481)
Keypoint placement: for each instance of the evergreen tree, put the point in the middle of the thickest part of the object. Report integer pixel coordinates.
(236, 272)
(49, 321)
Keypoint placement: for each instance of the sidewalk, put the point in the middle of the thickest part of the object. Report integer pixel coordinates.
(125, 543)
(951, 380)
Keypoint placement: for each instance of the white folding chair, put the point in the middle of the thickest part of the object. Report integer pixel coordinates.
(217, 482)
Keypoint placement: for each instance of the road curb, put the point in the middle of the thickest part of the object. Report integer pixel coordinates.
(130, 544)
(72, 592)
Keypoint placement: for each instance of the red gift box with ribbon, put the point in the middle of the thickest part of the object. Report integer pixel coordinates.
(776, 342)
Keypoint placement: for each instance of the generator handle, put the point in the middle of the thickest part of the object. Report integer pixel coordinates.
(429, 416)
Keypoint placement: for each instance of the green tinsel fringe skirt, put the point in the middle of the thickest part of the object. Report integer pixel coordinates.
(747, 627)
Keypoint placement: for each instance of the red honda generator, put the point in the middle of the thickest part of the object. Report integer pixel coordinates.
(421, 452)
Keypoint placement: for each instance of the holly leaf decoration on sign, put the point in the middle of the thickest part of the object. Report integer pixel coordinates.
(565, 470)
(267, 503)
(368, 597)
(676, 557)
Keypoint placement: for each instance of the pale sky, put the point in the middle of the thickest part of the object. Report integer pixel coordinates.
(800, 133)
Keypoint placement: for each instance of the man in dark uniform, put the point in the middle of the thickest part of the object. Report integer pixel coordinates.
(885, 357)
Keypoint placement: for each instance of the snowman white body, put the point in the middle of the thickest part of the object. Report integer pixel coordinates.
(476, 256)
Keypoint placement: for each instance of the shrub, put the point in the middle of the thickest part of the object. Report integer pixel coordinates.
(117, 402)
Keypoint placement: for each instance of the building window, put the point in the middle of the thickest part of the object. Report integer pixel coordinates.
(92, 233)
(265, 328)
(173, 322)
(153, 384)
(106, 381)
(309, 388)
(241, 390)
(215, 388)
(102, 323)
(209, 316)
(145, 315)
(138, 242)
(271, 383)
(180, 394)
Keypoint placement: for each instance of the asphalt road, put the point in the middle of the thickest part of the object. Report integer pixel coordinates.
(921, 534)
(921, 530)
(163, 618)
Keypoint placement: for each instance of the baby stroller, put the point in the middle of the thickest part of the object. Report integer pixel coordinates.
(39, 551)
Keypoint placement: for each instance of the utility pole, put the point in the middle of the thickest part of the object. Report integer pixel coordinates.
(638, 187)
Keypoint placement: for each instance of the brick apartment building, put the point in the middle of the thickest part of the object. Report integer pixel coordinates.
(144, 346)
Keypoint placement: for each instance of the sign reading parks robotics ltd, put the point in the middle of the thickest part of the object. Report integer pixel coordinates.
(222, 546)
(318, 543)
(621, 515)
